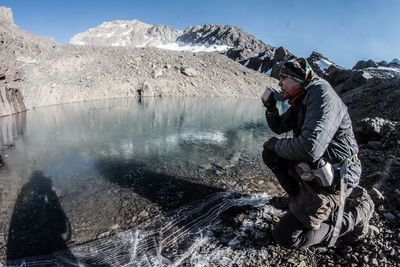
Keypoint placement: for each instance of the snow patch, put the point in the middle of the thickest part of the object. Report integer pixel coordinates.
(268, 72)
(323, 64)
(194, 47)
(247, 63)
(259, 69)
(366, 75)
(384, 68)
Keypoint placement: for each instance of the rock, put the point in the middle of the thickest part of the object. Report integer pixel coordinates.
(144, 214)
(370, 129)
(12, 101)
(105, 234)
(189, 72)
(365, 258)
(376, 196)
(374, 262)
(17, 75)
(157, 72)
(375, 230)
(146, 90)
(365, 64)
(2, 76)
(115, 227)
(376, 145)
(388, 216)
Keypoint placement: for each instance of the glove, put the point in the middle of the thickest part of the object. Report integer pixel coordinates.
(269, 100)
(270, 144)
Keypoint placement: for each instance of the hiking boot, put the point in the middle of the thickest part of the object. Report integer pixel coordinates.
(361, 207)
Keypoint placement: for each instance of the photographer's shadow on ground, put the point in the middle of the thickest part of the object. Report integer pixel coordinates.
(38, 224)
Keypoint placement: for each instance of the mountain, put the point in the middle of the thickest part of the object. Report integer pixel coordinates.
(127, 33)
(233, 41)
(35, 71)
(395, 63)
(18, 47)
(237, 43)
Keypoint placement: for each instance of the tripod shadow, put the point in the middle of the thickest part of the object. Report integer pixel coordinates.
(38, 224)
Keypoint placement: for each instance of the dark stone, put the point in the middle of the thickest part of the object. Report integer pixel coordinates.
(365, 64)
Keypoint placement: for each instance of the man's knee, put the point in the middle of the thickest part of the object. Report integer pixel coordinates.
(270, 158)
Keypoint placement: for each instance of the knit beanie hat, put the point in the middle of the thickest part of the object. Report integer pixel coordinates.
(299, 70)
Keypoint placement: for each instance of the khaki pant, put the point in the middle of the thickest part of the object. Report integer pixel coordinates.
(310, 203)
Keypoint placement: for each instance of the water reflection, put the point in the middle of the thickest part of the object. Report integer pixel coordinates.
(12, 127)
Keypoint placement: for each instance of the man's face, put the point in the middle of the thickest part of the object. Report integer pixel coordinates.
(287, 84)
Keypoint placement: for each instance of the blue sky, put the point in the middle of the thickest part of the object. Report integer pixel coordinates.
(344, 31)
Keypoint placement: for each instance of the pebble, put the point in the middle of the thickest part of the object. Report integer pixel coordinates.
(115, 227)
(375, 230)
(392, 252)
(143, 214)
(374, 262)
(366, 259)
(354, 258)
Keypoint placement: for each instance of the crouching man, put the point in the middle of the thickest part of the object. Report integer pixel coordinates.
(317, 166)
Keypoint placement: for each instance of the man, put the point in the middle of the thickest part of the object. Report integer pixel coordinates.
(317, 164)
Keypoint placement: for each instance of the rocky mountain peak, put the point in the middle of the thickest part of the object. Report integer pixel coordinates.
(126, 33)
(232, 36)
(395, 60)
(6, 15)
(362, 64)
(319, 63)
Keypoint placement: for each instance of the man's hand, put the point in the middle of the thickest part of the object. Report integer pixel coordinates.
(270, 144)
(269, 100)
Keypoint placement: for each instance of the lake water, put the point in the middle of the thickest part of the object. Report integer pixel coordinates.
(82, 169)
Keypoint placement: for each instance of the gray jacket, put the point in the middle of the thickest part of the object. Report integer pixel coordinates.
(321, 128)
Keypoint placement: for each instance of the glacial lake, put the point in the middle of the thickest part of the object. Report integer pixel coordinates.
(78, 172)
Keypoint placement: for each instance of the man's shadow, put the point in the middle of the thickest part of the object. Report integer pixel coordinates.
(38, 224)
